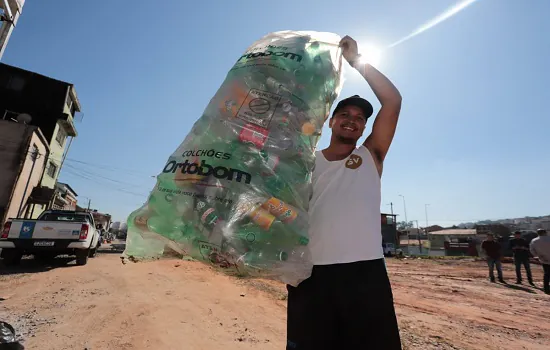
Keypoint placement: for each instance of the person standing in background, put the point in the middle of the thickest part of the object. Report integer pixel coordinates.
(493, 252)
(540, 248)
(520, 249)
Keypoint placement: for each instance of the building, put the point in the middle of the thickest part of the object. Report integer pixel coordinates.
(24, 152)
(389, 229)
(64, 197)
(498, 230)
(412, 232)
(543, 223)
(104, 220)
(437, 239)
(49, 104)
(433, 228)
(10, 10)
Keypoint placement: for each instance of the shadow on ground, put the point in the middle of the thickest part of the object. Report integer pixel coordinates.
(110, 251)
(31, 265)
(519, 287)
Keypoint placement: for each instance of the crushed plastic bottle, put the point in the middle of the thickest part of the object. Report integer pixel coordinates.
(235, 193)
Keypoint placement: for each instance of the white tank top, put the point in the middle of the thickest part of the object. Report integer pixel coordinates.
(344, 210)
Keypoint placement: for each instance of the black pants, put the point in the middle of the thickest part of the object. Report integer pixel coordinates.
(525, 262)
(546, 268)
(343, 306)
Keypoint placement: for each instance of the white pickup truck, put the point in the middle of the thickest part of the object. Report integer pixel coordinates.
(55, 232)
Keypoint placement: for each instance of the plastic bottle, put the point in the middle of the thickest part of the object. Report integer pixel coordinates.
(272, 232)
(208, 216)
(261, 257)
(287, 214)
(286, 236)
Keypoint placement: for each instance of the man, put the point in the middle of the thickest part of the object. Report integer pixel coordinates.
(493, 252)
(520, 249)
(540, 248)
(347, 303)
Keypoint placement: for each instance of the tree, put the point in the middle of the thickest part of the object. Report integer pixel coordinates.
(402, 225)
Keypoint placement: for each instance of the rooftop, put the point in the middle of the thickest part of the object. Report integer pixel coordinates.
(62, 184)
(455, 232)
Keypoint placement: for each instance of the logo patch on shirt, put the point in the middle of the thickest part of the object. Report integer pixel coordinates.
(354, 162)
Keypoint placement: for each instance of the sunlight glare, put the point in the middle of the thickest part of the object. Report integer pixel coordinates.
(370, 54)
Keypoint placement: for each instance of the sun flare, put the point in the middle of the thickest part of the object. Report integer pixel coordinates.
(370, 54)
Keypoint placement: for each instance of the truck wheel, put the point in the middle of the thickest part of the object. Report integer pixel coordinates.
(93, 252)
(11, 257)
(82, 256)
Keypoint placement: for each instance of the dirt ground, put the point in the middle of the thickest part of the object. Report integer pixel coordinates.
(174, 304)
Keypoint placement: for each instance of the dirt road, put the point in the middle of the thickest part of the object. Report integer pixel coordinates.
(176, 304)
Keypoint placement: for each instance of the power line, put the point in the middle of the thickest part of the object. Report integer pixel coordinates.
(89, 178)
(132, 172)
(72, 170)
(92, 177)
(100, 176)
(106, 167)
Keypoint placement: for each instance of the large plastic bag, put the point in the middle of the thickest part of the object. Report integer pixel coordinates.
(236, 191)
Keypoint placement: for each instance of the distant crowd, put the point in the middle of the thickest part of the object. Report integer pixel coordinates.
(522, 251)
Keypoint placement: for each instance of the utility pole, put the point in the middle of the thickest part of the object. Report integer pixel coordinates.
(404, 208)
(406, 221)
(418, 236)
(34, 156)
(391, 207)
(426, 211)
(89, 202)
(65, 153)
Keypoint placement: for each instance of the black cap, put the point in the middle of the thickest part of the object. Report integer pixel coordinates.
(357, 101)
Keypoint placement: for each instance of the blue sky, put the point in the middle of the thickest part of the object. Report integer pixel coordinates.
(473, 139)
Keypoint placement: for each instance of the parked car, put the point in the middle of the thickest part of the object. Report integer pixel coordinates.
(55, 232)
(390, 250)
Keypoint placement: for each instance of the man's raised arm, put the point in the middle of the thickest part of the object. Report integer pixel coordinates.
(379, 141)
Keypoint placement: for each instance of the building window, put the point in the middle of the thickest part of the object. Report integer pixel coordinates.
(52, 169)
(9, 115)
(61, 136)
(69, 101)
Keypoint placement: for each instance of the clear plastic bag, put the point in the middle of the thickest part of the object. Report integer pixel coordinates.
(236, 191)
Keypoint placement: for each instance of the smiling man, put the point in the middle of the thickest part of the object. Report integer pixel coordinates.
(347, 302)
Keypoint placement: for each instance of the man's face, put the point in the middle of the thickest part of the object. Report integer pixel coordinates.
(348, 124)
(517, 235)
(490, 237)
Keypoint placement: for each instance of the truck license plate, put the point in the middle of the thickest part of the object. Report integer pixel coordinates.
(43, 244)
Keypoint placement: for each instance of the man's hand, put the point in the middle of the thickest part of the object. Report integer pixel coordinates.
(350, 51)
(383, 129)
